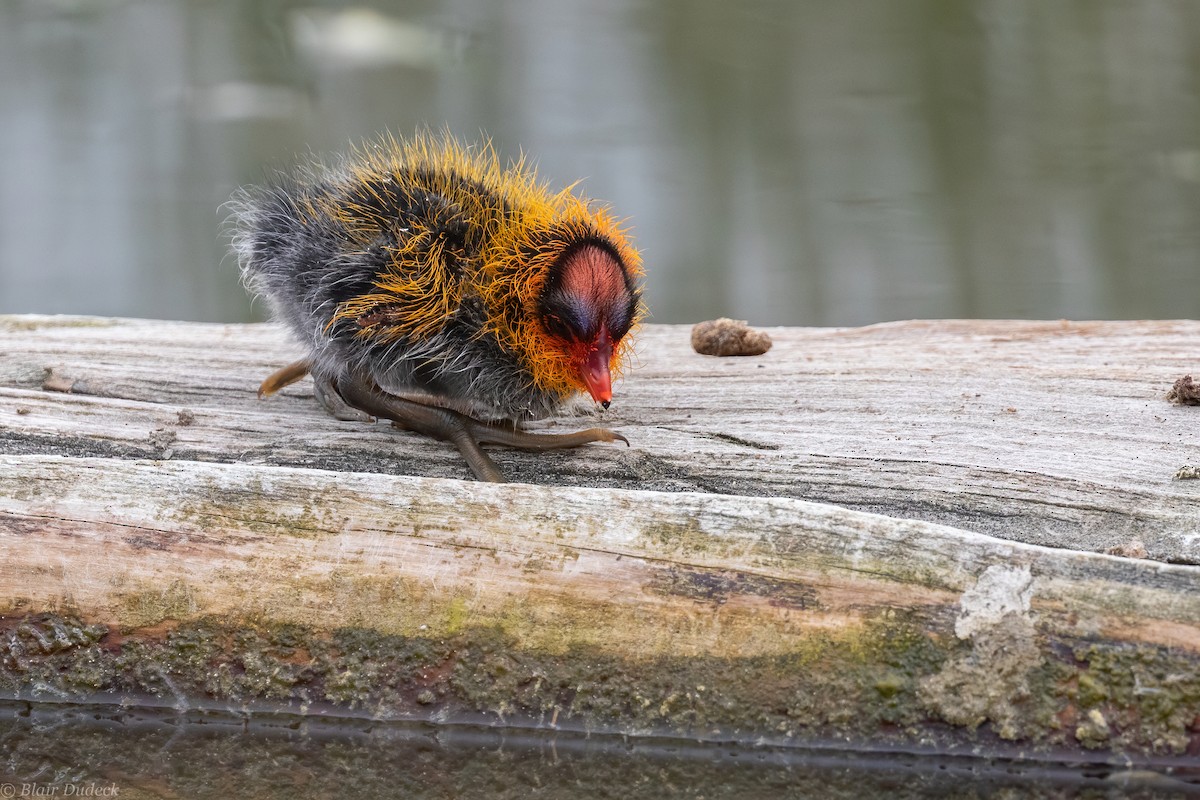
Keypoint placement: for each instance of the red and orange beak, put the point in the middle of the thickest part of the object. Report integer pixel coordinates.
(594, 369)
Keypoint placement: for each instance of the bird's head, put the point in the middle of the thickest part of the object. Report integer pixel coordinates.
(588, 304)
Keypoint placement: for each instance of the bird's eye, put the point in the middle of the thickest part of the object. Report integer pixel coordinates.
(620, 319)
(566, 318)
(556, 327)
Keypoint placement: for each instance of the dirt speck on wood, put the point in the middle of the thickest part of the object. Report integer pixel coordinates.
(1134, 548)
(56, 381)
(728, 337)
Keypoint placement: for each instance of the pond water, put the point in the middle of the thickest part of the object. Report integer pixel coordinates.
(112, 752)
(817, 163)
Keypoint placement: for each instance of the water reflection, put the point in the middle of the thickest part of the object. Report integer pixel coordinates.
(111, 752)
(791, 163)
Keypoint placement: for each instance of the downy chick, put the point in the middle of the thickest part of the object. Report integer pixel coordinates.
(438, 289)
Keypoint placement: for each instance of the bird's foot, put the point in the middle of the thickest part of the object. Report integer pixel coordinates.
(331, 400)
(466, 433)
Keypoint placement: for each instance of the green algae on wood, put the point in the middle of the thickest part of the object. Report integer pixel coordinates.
(883, 683)
(692, 615)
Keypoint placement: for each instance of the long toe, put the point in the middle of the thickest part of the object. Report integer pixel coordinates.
(497, 434)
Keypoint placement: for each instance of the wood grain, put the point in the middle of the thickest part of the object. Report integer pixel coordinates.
(1052, 433)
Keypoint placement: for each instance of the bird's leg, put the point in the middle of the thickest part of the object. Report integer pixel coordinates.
(466, 433)
(284, 377)
(440, 423)
(326, 394)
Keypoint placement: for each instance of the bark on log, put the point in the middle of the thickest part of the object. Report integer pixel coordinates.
(879, 534)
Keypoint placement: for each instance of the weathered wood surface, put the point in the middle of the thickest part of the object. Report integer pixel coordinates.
(253, 551)
(1052, 433)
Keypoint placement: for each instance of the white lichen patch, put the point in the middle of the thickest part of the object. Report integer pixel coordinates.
(991, 681)
(1000, 590)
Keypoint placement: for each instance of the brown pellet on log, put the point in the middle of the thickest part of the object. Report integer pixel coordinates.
(1185, 392)
(728, 337)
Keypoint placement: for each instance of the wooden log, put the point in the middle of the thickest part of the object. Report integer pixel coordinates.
(845, 538)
